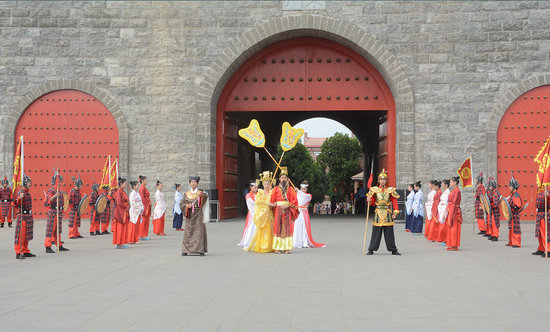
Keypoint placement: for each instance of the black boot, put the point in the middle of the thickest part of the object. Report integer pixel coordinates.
(18, 256)
(61, 248)
(538, 252)
(370, 252)
(490, 238)
(2, 225)
(9, 225)
(494, 239)
(49, 250)
(92, 234)
(98, 233)
(487, 235)
(184, 254)
(105, 233)
(395, 252)
(481, 233)
(28, 254)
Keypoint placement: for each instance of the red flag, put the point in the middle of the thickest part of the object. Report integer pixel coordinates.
(543, 159)
(106, 180)
(465, 173)
(369, 183)
(114, 174)
(18, 166)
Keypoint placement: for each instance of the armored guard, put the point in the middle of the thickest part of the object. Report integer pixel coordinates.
(54, 202)
(105, 216)
(95, 218)
(384, 198)
(494, 218)
(75, 196)
(480, 191)
(24, 226)
(541, 227)
(6, 201)
(514, 226)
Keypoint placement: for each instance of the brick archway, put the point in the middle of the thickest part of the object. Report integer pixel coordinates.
(8, 126)
(306, 25)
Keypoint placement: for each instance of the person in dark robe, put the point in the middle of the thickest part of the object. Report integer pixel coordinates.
(194, 205)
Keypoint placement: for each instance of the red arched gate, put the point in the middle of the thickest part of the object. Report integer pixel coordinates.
(521, 133)
(71, 129)
(300, 74)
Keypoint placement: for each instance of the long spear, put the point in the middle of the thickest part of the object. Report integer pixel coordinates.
(368, 207)
(21, 206)
(58, 240)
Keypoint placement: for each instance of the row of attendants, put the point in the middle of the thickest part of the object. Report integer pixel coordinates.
(443, 213)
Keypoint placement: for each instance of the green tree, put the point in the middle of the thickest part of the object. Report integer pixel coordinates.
(339, 157)
(301, 166)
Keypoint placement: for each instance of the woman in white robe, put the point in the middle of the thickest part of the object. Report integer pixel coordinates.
(301, 236)
(250, 226)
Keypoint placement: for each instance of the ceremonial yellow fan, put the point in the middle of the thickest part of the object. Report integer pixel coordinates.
(290, 136)
(253, 134)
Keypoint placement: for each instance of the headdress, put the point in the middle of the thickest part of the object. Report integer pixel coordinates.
(513, 183)
(492, 183)
(304, 184)
(383, 174)
(95, 186)
(479, 178)
(284, 171)
(56, 175)
(252, 184)
(26, 179)
(5, 181)
(196, 178)
(266, 176)
(78, 181)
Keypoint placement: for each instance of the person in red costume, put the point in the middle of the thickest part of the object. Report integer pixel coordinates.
(121, 215)
(54, 201)
(144, 193)
(514, 226)
(454, 216)
(285, 203)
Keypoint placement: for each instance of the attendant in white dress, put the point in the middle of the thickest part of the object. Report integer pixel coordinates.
(159, 211)
(429, 205)
(442, 210)
(417, 210)
(250, 226)
(301, 237)
(178, 216)
(136, 209)
(408, 209)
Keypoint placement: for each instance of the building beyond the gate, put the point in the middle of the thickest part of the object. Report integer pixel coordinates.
(453, 67)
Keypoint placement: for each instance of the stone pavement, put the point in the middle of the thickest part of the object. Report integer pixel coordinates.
(150, 287)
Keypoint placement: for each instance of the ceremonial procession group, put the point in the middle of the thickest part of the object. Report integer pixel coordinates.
(128, 215)
(278, 218)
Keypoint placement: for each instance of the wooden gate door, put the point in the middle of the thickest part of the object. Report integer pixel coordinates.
(522, 131)
(67, 129)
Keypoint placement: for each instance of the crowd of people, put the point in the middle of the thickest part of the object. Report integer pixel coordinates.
(128, 215)
(278, 218)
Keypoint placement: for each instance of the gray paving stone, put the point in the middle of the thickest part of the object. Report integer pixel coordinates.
(151, 287)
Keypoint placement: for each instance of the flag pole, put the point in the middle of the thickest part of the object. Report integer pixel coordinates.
(472, 176)
(21, 206)
(546, 220)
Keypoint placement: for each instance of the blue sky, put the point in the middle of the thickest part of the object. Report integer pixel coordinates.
(322, 127)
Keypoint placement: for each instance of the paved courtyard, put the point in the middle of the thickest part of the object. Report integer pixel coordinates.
(150, 287)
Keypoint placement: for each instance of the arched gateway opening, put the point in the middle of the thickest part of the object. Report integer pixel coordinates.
(294, 80)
